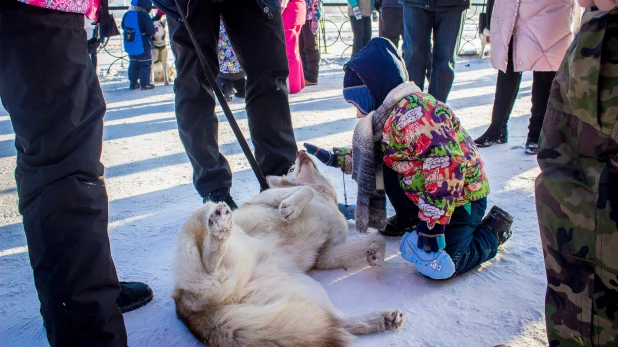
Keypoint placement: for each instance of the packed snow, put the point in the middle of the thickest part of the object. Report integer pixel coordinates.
(151, 195)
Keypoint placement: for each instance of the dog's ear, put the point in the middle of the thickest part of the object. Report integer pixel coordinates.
(274, 181)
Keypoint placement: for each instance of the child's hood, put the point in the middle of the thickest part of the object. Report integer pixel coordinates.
(380, 67)
(145, 4)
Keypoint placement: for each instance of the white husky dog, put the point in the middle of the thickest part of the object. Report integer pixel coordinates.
(241, 277)
(161, 70)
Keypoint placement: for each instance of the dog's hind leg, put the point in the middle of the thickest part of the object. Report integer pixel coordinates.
(353, 252)
(219, 224)
(374, 322)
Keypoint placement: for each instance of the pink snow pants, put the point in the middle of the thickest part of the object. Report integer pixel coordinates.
(293, 19)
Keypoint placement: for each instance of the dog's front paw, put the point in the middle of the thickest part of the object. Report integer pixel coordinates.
(375, 250)
(220, 221)
(393, 320)
(289, 210)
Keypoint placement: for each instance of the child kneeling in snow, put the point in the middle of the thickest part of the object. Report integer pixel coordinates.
(412, 147)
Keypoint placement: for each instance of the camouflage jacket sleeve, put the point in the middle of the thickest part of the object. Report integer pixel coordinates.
(420, 143)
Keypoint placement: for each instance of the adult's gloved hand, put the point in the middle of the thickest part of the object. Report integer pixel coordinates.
(357, 13)
(341, 157)
(430, 240)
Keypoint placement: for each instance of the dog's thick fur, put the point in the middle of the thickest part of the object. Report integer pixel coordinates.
(241, 277)
(161, 70)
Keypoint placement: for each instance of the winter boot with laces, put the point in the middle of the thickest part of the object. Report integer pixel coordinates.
(499, 221)
(221, 195)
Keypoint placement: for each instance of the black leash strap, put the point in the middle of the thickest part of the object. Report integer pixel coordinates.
(226, 108)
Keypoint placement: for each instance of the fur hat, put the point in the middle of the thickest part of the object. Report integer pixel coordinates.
(356, 92)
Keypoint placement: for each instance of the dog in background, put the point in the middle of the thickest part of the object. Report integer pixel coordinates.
(485, 42)
(161, 71)
(240, 278)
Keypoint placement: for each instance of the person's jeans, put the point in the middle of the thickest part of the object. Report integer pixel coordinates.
(56, 108)
(507, 88)
(362, 33)
(418, 25)
(309, 53)
(259, 44)
(391, 24)
(468, 242)
(140, 66)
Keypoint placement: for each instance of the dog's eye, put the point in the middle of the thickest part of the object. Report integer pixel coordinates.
(291, 169)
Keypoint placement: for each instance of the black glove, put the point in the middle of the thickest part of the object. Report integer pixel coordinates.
(430, 240)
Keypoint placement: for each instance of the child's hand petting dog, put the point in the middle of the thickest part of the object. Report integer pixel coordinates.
(341, 157)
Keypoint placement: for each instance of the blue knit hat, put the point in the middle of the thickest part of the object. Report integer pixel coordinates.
(356, 92)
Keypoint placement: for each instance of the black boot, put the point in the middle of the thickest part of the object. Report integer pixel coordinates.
(395, 227)
(134, 86)
(499, 221)
(133, 295)
(221, 195)
(148, 86)
(490, 137)
(532, 145)
(227, 88)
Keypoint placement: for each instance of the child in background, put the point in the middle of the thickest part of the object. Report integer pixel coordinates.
(294, 14)
(413, 148)
(309, 50)
(231, 76)
(138, 33)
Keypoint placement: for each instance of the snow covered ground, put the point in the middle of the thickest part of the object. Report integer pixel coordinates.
(151, 195)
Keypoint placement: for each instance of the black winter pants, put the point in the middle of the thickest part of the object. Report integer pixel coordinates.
(309, 53)
(362, 33)
(259, 45)
(507, 88)
(56, 108)
(391, 24)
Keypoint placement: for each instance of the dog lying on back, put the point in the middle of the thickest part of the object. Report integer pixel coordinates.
(241, 277)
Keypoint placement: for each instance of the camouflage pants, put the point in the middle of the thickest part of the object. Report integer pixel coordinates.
(577, 190)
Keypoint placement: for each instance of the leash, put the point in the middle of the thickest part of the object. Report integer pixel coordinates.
(224, 105)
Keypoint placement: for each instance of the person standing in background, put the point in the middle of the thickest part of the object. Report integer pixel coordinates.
(309, 50)
(137, 38)
(517, 45)
(421, 19)
(294, 13)
(391, 20)
(360, 12)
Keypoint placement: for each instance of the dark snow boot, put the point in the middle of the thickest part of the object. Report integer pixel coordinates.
(532, 146)
(396, 227)
(134, 86)
(148, 86)
(489, 138)
(499, 221)
(221, 195)
(133, 295)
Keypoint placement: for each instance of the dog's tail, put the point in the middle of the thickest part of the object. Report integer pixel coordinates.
(282, 323)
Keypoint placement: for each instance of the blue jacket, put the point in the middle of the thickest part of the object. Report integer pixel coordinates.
(380, 67)
(438, 5)
(138, 28)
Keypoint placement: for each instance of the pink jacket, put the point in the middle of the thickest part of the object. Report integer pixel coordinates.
(88, 7)
(541, 31)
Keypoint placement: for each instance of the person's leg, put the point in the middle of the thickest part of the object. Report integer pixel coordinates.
(358, 31)
(302, 41)
(58, 124)
(311, 53)
(296, 76)
(507, 87)
(241, 86)
(405, 209)
(195, 103)
(133, 69)
(541, 86)
(417, 24)
(93, 58)
(145, 68)
(268, 111)
(392, 24)
(366, 30)
(445, 33)
(468, 242)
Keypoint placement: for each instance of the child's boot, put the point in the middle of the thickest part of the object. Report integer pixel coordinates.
(499, 221)
(397, 227)
(134, 86)
(148, 86)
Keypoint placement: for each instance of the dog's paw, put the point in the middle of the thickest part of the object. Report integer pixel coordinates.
(289, 210)
(220, 221)
(375, 250)
(393, 320)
